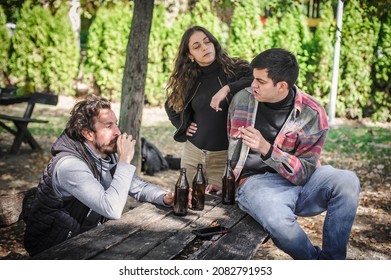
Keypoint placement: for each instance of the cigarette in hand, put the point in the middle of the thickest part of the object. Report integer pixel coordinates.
(239, 134)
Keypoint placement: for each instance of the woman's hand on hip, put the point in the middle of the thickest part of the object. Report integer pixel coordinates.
(191, 129)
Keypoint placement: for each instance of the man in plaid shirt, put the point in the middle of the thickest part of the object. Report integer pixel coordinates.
(276, 134)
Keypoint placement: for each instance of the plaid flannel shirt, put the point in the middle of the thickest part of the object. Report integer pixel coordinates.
(297, 147)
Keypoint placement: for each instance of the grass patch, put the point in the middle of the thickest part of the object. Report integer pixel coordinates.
(369, 142)
(52, 129)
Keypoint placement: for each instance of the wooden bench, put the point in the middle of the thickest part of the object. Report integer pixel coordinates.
(153, 232)
(21, 123)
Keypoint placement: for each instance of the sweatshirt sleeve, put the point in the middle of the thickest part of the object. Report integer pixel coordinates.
(299, 166)
(143, 190)
(244, 79)
(174, 117)
(72, 177)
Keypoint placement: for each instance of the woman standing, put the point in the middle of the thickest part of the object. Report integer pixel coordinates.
(198, 94)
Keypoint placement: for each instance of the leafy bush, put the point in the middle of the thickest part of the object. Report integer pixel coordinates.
(159, 58)
(203, 14)
(106, 47)
(43, 48)
(354, 87)
(292, 34)
(35, 53)
(379, 103)
(5, 40)
(245, 35)
(320, 57)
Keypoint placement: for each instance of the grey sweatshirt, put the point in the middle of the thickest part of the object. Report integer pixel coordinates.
(72, 177)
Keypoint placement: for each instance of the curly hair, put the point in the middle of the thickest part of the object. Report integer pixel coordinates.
(185, 71)
(83, 114)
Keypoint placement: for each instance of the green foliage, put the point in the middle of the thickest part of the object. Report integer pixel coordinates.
(364, 141)
(320, 60)
(245, 35)
(379, 103)
(62, 62)
(159, 57)
(354, 87)
(267, 38)
(5, 40)
(36, 55)
(43, 50)
(106, 47)
(203, 14)
(293, 34)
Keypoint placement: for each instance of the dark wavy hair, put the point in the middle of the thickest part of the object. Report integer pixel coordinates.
(281, 65)
(83, 116)
(185, 71)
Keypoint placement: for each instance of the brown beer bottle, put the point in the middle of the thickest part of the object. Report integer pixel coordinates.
(181, 194)
(198, 193)
(228, 184)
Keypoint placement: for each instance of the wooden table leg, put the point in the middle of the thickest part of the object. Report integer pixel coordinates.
(21, 135)
(10, 130)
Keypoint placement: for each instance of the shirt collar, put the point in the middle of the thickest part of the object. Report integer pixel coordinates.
(298, 105)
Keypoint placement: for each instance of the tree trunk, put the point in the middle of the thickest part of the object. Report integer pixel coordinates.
(133, 83)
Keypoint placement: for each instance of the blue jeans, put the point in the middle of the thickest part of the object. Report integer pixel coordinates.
(275, 203)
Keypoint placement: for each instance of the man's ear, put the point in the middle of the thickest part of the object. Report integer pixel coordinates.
(283, 86)
(87, 134)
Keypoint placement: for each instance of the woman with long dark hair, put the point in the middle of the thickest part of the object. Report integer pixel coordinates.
(199, 91)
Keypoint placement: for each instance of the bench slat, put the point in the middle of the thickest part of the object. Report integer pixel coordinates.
(21, 119)
(44, 98)
(22, 133)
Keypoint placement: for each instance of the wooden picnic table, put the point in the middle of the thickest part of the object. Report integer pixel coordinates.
(21, 133)
(153, 232)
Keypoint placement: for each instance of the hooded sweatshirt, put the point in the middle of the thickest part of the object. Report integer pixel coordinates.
(78, 190)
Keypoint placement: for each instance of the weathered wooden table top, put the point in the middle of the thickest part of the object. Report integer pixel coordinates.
(154, 232)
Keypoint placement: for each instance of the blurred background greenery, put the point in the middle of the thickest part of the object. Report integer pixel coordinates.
(40, 46)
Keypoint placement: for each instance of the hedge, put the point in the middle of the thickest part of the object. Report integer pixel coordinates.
(42, 48)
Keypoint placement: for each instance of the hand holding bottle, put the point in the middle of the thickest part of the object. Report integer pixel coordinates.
(168, 199)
